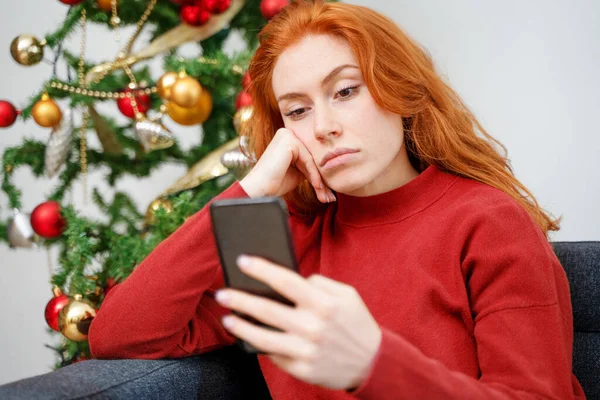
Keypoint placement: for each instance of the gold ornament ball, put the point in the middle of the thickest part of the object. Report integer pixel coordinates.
(182, 115)
(27, 49)
(157, 204)
(241, 120)
(165, 83)
(105, 5)
(186, 92)
(191, 116)
(205, 105)
(46, 112)
(75, 318)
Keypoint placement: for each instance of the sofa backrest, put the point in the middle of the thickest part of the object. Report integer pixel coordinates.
(581, 261)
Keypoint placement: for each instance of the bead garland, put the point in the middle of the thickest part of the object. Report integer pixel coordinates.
(99, 93)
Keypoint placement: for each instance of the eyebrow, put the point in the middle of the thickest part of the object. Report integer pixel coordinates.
(325, 81)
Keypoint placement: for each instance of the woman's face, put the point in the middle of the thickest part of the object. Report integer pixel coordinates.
(324, 100)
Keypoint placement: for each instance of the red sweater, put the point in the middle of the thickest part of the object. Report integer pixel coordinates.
(472, 301)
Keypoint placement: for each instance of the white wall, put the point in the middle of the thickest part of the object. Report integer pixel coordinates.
(527, 68)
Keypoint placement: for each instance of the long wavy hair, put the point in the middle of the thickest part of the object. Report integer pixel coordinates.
(439, 128)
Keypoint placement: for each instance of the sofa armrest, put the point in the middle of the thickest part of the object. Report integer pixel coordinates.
(227, 373)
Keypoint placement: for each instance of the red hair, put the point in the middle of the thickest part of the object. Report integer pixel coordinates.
(439, 129)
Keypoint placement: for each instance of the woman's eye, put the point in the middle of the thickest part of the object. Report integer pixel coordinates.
(295, 113)
(347, 92)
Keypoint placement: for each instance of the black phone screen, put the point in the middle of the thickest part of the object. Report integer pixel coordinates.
(256, 227)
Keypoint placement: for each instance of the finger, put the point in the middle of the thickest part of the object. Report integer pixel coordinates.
(295, 367)
(284, 281)
(268, 340)
(309, 168)
(329, 285)
(309, 164)
(322, 193)
(330, 192)
(306, 164)
(270, 312)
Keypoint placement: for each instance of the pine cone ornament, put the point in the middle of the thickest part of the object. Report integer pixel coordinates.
(19, 231)
(236, 160)
(153, 135)
(58, 145)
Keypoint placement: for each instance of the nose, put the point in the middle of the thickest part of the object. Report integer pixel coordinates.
(325, 124)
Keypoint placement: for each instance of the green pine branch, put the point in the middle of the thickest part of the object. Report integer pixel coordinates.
(72, 19)
(115, 245)
(165, 15)
(3, 232)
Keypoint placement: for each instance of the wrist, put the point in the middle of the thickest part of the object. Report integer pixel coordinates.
(370, 360)
(250, 186)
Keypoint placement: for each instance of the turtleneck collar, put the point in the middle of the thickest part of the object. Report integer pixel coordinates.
(397, 204)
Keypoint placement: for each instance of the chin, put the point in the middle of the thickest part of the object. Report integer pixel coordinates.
(347, 183)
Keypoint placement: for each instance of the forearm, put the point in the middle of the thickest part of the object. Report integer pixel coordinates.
(157, 311)
(402, 371)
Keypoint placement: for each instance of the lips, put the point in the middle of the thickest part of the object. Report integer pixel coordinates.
(336, 153)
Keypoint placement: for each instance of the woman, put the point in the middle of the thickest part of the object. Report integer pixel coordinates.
(425, 270)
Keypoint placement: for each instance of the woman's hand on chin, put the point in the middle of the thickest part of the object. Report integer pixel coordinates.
(285, 163)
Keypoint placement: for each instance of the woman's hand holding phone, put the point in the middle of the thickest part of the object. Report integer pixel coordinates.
(285, 163)
(328, 338)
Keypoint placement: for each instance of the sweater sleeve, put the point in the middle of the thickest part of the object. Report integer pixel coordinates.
(164, 309)
(519, 300)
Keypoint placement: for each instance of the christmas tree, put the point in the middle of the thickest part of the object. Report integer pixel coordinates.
(207, 90)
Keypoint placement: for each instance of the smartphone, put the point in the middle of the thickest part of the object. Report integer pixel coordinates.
(256, 227)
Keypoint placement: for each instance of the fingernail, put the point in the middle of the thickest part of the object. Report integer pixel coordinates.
(227, 322)
(222, 297)
(244, 261)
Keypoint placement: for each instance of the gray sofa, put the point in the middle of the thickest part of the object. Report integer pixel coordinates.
(230, 374)
(581, 261)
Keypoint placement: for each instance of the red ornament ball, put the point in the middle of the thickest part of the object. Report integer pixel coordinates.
(194, 15)
(53, 308)
(246, 81)
(71, 2)
(244, 99)
(46, 220)
(183, 2)
(8, 114)
(215, 6)
(270, 8)
(142, 100)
